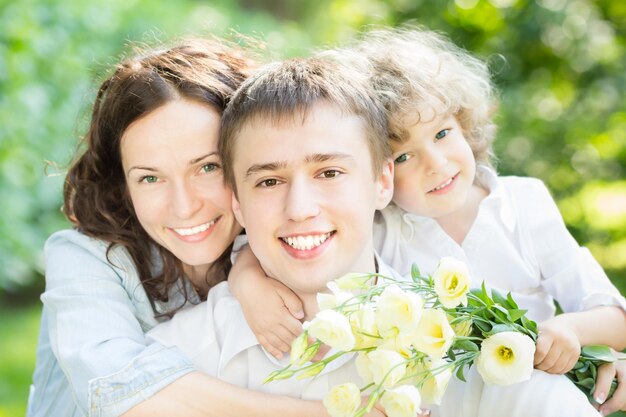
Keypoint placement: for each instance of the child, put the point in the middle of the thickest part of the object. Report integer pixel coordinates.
(448, 201)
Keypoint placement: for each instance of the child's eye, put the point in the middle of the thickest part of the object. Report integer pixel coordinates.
(206, 168)
(330, 173)
(402, 158)
(150, 179)
(268, 183)
(442, 134)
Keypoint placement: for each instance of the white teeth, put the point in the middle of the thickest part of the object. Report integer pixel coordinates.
(439, 187)
(306, 242)
(193, 230)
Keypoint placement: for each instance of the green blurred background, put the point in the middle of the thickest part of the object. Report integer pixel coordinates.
(559, 64)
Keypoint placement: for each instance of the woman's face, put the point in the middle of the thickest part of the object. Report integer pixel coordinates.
(174, 178)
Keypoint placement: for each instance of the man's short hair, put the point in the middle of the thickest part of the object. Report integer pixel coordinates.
(283, 92)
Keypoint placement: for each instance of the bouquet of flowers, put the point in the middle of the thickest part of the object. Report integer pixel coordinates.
(411, 336)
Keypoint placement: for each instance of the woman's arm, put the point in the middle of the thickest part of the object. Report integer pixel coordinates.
(96, 335)
(197, 394)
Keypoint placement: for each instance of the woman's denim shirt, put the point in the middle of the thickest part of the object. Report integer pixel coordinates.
(92, 359)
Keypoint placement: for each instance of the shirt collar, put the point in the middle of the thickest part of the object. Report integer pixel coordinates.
(239, 337)
(498, 197)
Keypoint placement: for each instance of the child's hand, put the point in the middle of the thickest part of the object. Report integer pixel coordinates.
(606, 373)
(272, 310)
(558, 346)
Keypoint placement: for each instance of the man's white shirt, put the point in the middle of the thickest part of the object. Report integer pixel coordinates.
(218, 340)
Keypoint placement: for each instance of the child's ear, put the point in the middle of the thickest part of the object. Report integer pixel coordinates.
(237, 210)
(385, 185)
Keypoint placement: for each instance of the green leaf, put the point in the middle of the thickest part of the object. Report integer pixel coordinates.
(598, 352)
(415, 272)
(499, 328)
(516, 313)
(498, 298)
(459, 374)
(511, 301)
(466, 345)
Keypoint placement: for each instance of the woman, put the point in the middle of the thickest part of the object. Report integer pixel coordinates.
(153, 232)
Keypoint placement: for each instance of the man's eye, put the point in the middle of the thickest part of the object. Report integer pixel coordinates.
(268, 183)
(402, 158)
(442, 134)
(331, 173)
(150, 179)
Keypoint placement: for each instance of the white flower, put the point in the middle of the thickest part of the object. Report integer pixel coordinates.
(399, 309)
(438, 374)
(364, 327)
(327, 301)
(385, 367)
(332, 328)
(434, 334)
(363, 367)
(452, 282)
(343, 400)
(403, 401)
(353, 281)
(506, 358)
(298, 346)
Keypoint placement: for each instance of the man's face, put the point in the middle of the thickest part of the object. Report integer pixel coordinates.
(307, 196)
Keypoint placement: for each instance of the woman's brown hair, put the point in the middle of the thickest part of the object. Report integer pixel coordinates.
(95, 194)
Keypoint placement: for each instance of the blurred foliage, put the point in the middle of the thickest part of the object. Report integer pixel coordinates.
(559, 65)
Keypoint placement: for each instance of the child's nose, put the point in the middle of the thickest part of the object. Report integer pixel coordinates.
(434, 161)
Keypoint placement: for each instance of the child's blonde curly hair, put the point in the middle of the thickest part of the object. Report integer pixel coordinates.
(414, 70)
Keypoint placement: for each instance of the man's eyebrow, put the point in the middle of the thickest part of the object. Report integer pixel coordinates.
(313, 158)
(269, 166)
(325, 157)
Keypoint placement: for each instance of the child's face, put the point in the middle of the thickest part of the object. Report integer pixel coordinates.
(435, 167)
(307, 196)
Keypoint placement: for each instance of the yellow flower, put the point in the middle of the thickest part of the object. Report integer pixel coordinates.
(452, 282)
(403, 401)
(328, 301)
(363, 322)
(506, 358)
(298, 347)
(399, 309)
(461, 328)
(332, 328)
(343, 400)
(437, 376)
(434, 334)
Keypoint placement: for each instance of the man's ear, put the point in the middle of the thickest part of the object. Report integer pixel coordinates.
(385, 185)
(237, 210)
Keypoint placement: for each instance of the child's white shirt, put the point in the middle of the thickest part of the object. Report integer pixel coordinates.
(518, 243)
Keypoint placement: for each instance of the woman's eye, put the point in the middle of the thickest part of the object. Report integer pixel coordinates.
(150, 179)
(402, 158)
(442, 134)
(209, 168)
